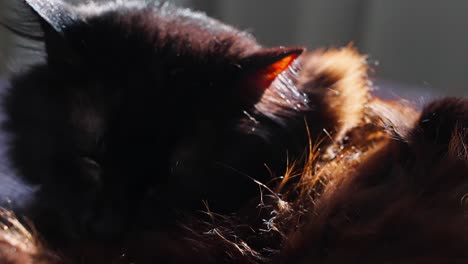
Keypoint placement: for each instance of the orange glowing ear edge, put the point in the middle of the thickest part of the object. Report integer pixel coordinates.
(265, 77)
(270, 63)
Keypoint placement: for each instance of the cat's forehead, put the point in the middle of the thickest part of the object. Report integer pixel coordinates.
(162, 24)
(157, 11)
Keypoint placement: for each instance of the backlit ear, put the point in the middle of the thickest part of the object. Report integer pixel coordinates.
(55, 17)
(262, 68)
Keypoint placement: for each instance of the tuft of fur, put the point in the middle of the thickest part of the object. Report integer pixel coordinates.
(20, 245)
(337, 84)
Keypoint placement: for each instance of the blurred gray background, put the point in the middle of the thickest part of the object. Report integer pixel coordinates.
(418, 46)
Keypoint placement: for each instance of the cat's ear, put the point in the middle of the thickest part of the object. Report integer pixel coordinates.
(262, 67)
(55, 17)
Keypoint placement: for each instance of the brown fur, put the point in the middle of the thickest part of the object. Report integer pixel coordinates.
(337, 83)
(393, 189)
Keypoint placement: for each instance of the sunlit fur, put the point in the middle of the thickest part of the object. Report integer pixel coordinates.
(385, 196)
(366, 181)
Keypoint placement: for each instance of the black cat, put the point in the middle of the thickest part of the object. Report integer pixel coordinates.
(144, 109)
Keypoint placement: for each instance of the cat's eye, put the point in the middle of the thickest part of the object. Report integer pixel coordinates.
(91, 170)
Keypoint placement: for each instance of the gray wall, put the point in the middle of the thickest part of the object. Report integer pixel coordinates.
(5, 40)
(420, 43)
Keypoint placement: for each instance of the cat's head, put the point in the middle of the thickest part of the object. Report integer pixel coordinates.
(123, 87)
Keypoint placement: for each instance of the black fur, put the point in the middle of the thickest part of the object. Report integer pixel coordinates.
(139, 110)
